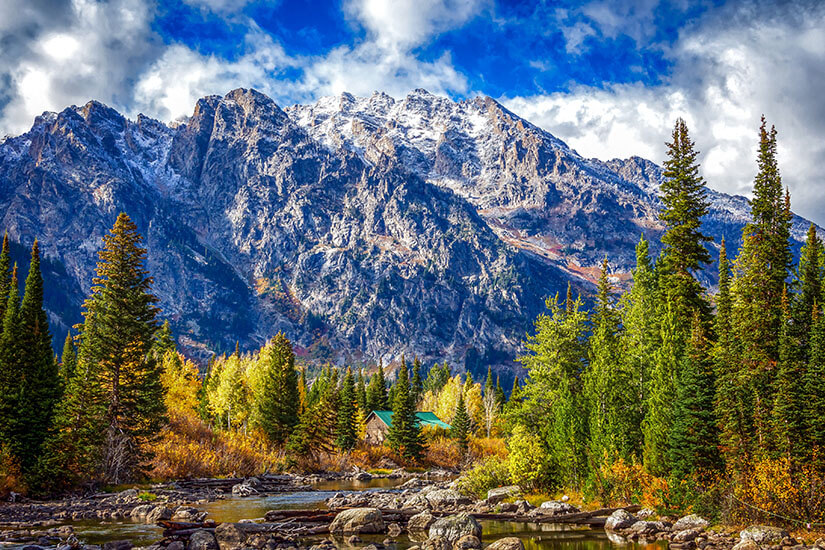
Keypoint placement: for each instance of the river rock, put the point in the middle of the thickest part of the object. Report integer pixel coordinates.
(467, 542)
(118, 545)
(141, 511)
(176, 545)
(763, 534)
(446, 498)
(557, 507)
(494, 496)
(202, 540)
(691, 521)
(522, 506)
(414, 483)
(417, 502)
(229, 536)
(158, 513)
(243, 490)
(746, 545)
(454, 527)
(394, 530)
(186, 513)
(507, 543)
(421, 522)
(436, 543)
(620, 519)
(686, 535)
(358, 520)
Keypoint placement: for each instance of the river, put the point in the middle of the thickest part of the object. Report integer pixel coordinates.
(534, 536)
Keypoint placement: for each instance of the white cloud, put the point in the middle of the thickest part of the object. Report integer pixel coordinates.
(401, 24)
(727, 71)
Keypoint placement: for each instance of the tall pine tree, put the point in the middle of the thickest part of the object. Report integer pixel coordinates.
(5, 274)
(460, 427)
(404, 435)
(278, 404)
(346, 432)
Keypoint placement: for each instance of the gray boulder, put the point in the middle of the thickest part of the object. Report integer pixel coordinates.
(421, 522)
(436, 543)
(467, 542)
(141, 511)
(202, 540)
(507, 543)
(746, 545)
(358, 520)
(454, 527)
(686, 535)
(187, 513)
(243, 490)
(763, 534)
(394, 530)
(620, 519)
(118, 545)
(158, 513)
(557, 507)
(229, 536)
(494, 496)
(446, 498)
(691, 521)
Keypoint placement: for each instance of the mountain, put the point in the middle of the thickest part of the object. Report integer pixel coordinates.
(361, 227)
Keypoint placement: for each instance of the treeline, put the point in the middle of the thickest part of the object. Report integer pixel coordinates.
(714, 394)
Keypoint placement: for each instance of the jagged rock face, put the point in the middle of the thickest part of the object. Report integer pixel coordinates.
(362, 227)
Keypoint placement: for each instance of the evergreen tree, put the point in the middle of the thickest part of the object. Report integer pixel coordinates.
(377, 390)
(809, 284)
(608, 387)
(788, 414)
(163, 340)
(658, 421)
(11, 372)
(437, 378)
(41, 383)
(814, 401)
(361, 394)
(416, 383)
(694, 443)
(346, 433)
(117, 349)
(488, 384)
(683, 196)
(760, 276)
(303, 391)
(404, 435)
(278, 404)
(5, 274)
(500, 397)
(460, 428)
(68, 360)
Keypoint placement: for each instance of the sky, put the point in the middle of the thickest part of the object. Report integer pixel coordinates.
(607, 77)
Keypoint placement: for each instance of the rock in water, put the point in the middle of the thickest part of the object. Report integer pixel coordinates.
(202, 540)
(454, 527)
(691, 521)
(420, 522)
(620, 519)
(556, 507)
(507, 543)
(494, 496)
(763, 534)
(358, 520)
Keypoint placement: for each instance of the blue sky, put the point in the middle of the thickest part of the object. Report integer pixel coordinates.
(608, 77)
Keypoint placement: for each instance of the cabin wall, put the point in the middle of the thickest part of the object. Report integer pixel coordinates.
(376, 431)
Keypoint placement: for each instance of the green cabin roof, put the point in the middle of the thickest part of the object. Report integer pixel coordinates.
(424, 419)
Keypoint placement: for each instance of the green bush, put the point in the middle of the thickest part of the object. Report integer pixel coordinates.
(488, 474)
(529, 465)
(146, 496)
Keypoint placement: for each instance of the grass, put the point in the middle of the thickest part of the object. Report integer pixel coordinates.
(146, 496)
(379, 471)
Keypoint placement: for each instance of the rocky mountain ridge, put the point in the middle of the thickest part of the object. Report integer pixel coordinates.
(362, 227)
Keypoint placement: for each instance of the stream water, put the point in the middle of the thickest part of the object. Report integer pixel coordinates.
(534, 536)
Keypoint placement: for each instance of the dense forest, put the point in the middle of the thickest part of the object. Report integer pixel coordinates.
(667, 395)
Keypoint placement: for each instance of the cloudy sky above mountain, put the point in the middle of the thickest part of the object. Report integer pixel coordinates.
(607, 77)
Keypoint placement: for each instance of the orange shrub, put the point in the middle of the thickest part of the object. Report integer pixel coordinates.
(778, 490)
(444, 452)
(624, 483)
(482, 447)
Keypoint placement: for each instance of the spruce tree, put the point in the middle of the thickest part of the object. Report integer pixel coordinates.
(41, 383)
(789, 394)
(11, 373)
(460, 428)
(361, 393)
(416, 382)
(163, 340)
(346, 432)
(809, 295)
(683, 196)
(404, 435)
(814, 383)
(377, 390)
(761, 269)
(68, 360)
(694, 443)
(607, 385)
(500, 397)
(115, 352)
(5, 274)
(277, 406)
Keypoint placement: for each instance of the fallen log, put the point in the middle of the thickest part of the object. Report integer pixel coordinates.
(170, 525)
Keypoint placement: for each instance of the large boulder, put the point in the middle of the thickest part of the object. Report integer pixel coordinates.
(620, 519)
(557, 507)
(686, 535)
(358, 520)
(158, 513)
(141, 511)
(494, 496)
(446, 498)
(454, 527)
(507, 543)
(691, 521)
(230, 536)
(436, 543)
(420, 523)
(202, 540)
(467, 542)
(118, 545)
(763, 534)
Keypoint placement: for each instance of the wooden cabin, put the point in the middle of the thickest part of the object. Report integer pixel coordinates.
(379, 422)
